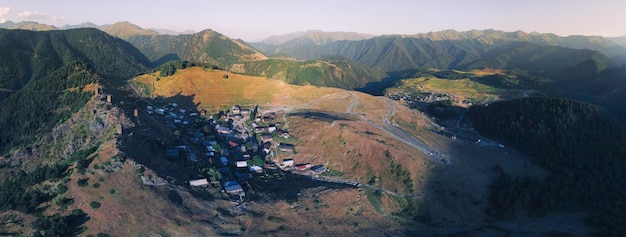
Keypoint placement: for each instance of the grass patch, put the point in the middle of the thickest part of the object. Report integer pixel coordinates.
(374, 198)
(142, 88)
(332, 172)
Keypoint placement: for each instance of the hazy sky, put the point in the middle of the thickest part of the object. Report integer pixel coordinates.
(254, 20)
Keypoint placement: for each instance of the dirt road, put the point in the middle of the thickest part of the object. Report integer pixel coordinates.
(398, 133)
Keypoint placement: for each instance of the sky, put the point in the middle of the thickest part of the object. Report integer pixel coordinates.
(254, 20)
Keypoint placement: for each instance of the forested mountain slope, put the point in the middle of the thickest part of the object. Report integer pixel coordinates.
(579, 143)
(275, 44)
(43, 76)
(598, 43)
(204, 47)
(31, 55)
(329, 72)
(400, 53)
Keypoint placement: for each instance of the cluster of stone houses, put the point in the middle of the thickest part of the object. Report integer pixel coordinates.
(224, 142)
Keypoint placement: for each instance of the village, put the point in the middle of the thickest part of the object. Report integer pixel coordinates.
(229, 149)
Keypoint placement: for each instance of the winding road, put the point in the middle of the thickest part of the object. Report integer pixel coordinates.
(398, 133)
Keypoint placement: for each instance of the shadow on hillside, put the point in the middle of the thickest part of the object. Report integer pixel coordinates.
(288, 188)
(152, 134)
(321, 116)
(378, 88)
(166, 58)
(146, 140)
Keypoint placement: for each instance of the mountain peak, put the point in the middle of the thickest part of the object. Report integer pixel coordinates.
(125, 30)
(315, 37)
(27, 25)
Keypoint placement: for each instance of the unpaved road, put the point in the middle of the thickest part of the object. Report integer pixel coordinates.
(398, 133)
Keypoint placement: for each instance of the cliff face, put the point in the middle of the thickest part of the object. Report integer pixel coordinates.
(93, 125)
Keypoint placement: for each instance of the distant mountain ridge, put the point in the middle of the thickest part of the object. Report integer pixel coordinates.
(26, 25)
(122, 29)
(206, 46)
(598, 43)
(172, 32)
(274, 44)
(621, 40)
(400, 53)
(315, 37)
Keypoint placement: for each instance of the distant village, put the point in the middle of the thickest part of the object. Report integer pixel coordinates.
(450, 128)
(229, 148)
(413, 100)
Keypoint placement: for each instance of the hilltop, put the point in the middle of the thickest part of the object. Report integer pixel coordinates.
(274, 44)
(314, 37)
(207, 46)
(26, 25)
(122, 29)
(125, 30)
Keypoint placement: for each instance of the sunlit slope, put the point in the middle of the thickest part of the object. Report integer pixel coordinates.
(217, 89)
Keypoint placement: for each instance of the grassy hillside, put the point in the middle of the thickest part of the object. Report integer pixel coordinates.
(214, 89)
(475, 86)
(329, 72)
(204, 47)
(125, 30)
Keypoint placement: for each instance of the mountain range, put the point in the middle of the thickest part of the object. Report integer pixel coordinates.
(588, 64)
(581, 64)
(58, 137)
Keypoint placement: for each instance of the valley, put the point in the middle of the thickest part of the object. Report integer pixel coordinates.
(123, 131)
